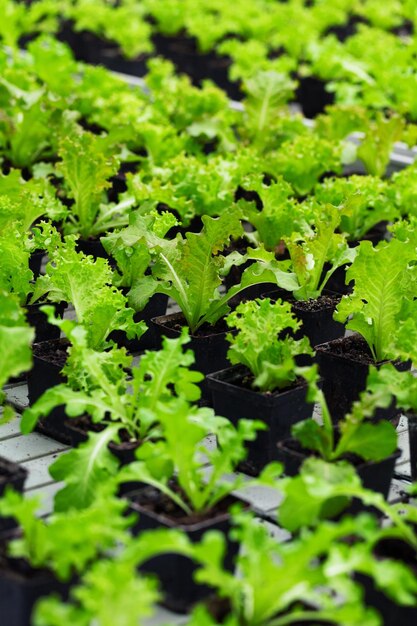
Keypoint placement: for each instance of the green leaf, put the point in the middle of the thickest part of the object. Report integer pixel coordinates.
(259, 343)
(85, 168)
(15, 339)
(380, 286)
(87, 471)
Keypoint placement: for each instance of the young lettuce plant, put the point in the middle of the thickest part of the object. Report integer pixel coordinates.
(358, 436)
(364, 202)
(25, 202)
(322, 490)
(290, 582)
(267, 94)
(303, 160)
(16, 338)
(86, 168)
(383, 288)
(261, 344)
(280, 216)
(112, 592)
(188, 269)
(163, 463)
(305, 273)
(98, 385)
(67, 543)
(17, 20)
(128, 248)
(86, 283)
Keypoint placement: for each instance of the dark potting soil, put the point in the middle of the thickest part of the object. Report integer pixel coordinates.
(206, 329)
(246, 382)
(86, 425)
(52, 351)
(160, 504)
(317, 304)
(353, 348)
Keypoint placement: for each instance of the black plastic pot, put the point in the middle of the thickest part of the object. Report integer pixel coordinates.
(35, 262)
(376, 476)
(175, 572)
(278, 410)
(210, 347)
(11, 475)
(412, 442)
(150, 340)
(316, 316)
(312, 96)
(44, 331)
(49, 358)
(92, 247)
(344, 366)
(80, 428)
(21, 587)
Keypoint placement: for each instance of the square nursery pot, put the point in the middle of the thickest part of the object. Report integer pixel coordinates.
(49, 357)
(375, 475)
(12, 475)
(44, 331)
(316, 316)
(344, 366)
(35, 262)
(150, 340)
(21, 587)
(176, 572)
(208, 344)
(278, 410)
(79, 429)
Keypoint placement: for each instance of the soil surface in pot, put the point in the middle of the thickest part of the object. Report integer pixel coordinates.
(206, 329)
(86, 425)
(353, 348)
(246, 382)
(318, 304)
(55, 352)
(160, 504)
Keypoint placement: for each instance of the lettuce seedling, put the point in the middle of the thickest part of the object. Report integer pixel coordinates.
(17, 20)
(322, 490)
(128, 249)
(98, 384)
(383, 285)
(294, 581)
(267, 93)
(402, 191)
(16, 338)
(112, 592)
(363, 200)
(67, 543)
(160, 463)
(86, 168)
(304, 159)
(188, 269)
(280, 216)
(304, 274)
(27, 201)
(86, 283)
(371, 441)
(121, 22)
(262, 345)
(379, 139)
